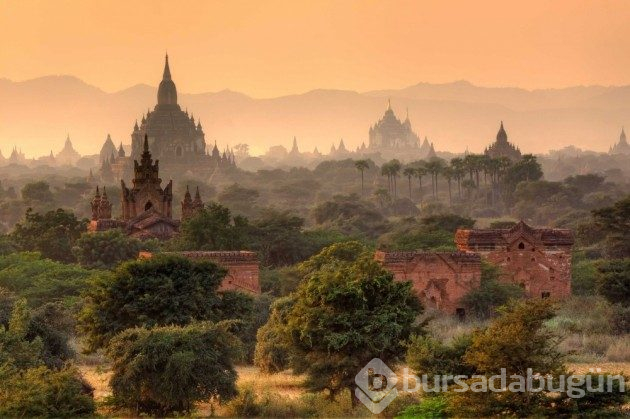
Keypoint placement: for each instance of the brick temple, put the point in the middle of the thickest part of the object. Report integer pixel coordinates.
(536, 259)
(146, 206)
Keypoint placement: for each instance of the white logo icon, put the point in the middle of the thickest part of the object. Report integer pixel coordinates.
(376, 386)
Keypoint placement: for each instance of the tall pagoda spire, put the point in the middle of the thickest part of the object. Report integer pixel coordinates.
(167, 92)
(167, 70)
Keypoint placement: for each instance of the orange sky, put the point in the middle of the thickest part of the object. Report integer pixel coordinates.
(269, 48)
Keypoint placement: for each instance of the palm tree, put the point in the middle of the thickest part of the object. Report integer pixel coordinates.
(434, 167)
(457, 164)
(386, 170)
(470, 163)
(469, 185)
(409, 172)
(394, 168)
(449, 173)
(485, 165)
(420, 172)
(492, 166)
(382, 196)
(361, 166)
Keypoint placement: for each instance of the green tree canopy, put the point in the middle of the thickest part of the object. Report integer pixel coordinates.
(27, 386)
(516, 341)
(213, 228)
(40, 280)
(614, 281)
(105, 250)
(37, 192)
(347, 311)
(165, 370)
(483, 302)
(53, 234)
(163, 290)
(615, 222)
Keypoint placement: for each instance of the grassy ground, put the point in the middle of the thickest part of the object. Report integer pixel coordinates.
(282, 394)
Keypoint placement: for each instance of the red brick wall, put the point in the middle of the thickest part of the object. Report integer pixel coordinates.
(537, 271)
(440, 279)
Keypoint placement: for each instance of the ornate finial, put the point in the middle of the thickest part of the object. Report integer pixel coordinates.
(389, 104)
(167, 70)
(146, 143)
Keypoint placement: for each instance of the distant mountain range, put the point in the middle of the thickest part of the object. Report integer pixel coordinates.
(36, 115)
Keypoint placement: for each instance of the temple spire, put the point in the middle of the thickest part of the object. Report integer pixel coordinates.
(146, 143)
(167, 70)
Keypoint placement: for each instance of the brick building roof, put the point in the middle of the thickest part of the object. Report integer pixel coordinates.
(545, 236)
(406, 256)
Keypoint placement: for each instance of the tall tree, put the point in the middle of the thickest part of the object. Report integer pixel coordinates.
(409, 172)
(163, 290)
(435, 167)
(387, 171)
(362, 165)
(457, 164)
(614, 221)
(421, 171)
(449, 173)
(347, 311)
(53, 233)
(395, 167)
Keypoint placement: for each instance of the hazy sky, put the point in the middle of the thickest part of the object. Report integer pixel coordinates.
(269, 48)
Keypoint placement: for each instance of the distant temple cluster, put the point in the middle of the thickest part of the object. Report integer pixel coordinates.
(536, 259)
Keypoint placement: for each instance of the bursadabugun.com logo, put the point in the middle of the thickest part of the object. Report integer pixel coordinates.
(376, 384)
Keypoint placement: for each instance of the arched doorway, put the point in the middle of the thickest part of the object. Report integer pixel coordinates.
(148, 206)
(179, 151)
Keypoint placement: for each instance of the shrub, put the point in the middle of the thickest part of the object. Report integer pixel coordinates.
(166, 370)
(426, 355)
(272, 348)
(482, 302)
(614, 281)
(27, 387)
(516, 340)
(583, 277)
(429, 407)
(40, 391)
(620, 319)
